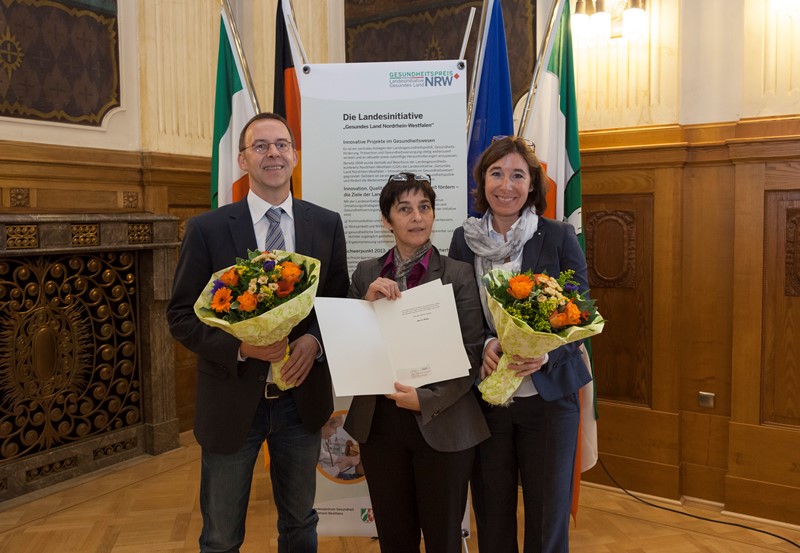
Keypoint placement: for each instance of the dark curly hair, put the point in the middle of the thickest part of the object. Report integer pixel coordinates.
(396, 187)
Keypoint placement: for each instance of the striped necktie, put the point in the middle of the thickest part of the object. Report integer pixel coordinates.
(274, 235)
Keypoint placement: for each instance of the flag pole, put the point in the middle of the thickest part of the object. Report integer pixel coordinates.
(466, 34)
(541, 60)
(295, 32)
(226, 5)
(476, 63)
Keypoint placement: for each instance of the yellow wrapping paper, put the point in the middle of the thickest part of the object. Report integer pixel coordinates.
(269, 327)
(517, 338)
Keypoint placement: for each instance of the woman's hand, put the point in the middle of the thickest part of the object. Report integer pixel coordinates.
(524, 366)
(491, 356)
(405, 397)
(382, 288)
(527, 365)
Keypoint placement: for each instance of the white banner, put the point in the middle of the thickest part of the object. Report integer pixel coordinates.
(363, 122)
(342, 499)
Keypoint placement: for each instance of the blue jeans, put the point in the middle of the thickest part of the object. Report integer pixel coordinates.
(226, 479)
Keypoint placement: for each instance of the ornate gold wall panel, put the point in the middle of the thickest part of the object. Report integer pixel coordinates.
(85, 368)
(68, 363)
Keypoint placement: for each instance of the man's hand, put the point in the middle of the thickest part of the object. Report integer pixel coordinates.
(405, 397)
(271, 353)
(303, 352)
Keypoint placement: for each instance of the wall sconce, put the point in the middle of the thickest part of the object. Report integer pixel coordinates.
(580, 19)
(634, 21)
(598, 21)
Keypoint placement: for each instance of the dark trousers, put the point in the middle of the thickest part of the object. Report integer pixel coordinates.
(412, 486)
(533, 442)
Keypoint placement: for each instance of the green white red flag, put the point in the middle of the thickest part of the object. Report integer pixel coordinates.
(232, 109)
(553, 127)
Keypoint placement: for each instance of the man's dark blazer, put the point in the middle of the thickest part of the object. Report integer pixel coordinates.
(552, 248)
(228, 392)
(450, 419)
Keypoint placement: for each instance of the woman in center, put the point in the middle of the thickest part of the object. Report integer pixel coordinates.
(418, 444)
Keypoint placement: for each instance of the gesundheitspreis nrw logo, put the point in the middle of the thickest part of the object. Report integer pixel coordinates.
(413, 79)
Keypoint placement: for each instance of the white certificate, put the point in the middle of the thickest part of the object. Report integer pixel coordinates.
(414, 340)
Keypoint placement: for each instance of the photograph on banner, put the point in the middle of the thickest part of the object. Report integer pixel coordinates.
(343, 504)
(362, 122)
(342, 501)
(340, 455)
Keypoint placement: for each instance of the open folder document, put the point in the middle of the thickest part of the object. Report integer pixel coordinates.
(414, 340)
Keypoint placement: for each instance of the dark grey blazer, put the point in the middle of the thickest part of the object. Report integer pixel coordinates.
(450, 419)
(228, 392)
(553, 248)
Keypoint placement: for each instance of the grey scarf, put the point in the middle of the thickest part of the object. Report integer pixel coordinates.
(487, 251)
(403, 266)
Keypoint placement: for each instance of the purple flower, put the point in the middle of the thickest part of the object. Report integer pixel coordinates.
(217, 285)
(268, 265)
(570, 288)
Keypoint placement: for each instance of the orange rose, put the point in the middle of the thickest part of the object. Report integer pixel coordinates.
(247, 302)
(570, 316)
(573, 314)
(291, 272)
(520, 286)
(284, 288)
(221, 300)
(230, 277)
(558, 320)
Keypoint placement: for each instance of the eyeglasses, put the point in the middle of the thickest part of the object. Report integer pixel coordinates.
(514, 138)
(262, 148)
(402, 177)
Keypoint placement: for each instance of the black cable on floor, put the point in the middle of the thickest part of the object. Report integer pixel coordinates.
(787, 540)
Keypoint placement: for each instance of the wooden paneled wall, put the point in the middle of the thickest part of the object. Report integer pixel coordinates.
(42, 178)
(692, 237)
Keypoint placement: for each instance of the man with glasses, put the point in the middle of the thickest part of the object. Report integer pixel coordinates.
(238, 406)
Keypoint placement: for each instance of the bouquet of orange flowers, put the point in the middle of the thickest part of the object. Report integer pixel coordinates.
(533, 314)
(261, 299)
